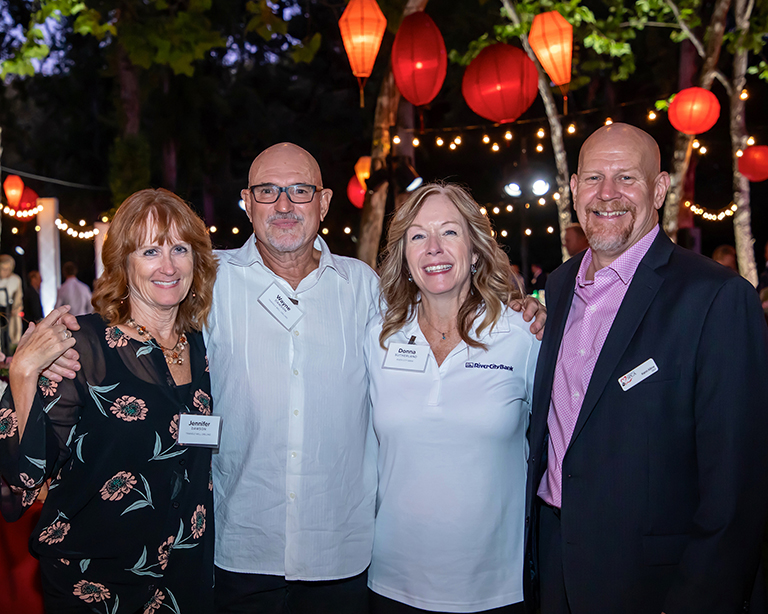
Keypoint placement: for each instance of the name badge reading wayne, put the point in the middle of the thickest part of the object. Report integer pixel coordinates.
(638, 374)
(197, 430)
(406, 357)
(280, 307)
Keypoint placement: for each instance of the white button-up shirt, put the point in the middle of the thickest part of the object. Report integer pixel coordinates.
(294, 479)
(452, 468)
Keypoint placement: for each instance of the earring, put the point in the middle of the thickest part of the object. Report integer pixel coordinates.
(410, 277)
(473, 268)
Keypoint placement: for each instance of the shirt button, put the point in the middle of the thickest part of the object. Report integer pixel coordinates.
(296, 333)
(582, 352)
(592, 308)
(295, 412)
(292, 495)
(295, 371)
(575, 395)
(175, 505)
(293, 454)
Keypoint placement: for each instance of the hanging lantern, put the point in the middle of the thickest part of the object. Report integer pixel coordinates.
(363, 169)
(551, 39)
(500, 83)
(694, 110)
(362, 26)
(14, 188)
(356, 192)
(754, 163)
(419, 59)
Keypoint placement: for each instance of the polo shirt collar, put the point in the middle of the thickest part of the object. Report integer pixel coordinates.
(625, 266)
(249, 254)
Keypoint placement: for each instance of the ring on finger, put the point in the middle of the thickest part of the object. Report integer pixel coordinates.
(67, 334)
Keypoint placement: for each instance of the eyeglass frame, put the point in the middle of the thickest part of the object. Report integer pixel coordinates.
(280, 190)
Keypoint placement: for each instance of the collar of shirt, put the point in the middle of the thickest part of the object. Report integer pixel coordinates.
(624, 267)
(412, 329)
(249, 255)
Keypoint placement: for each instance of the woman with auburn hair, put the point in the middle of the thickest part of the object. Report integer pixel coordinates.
(451, 370)
(128, 522)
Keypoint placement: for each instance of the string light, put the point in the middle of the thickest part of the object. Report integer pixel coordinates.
(496, 210)
(508, 135)
(542, 201)
(104, 219)
(24, 213)
(396, 139)
(539, 147)
(495, 147)
(527, 232)
(452, 146)
(439, 142)
(556, 196)
(739, 153)
(37, 228)
(212, 229)
(486, 139)
(347, 230)
(504, 233)
(483, 210)
(82, 223)
(652, 115)
(324, 231)
(235, 230)
(695, 144)
(14, 230)
(571, 128)
(751, 141)
(744, 94)
(85, 232)
(702, 150)
(550, 230)
(540, 133)
(608, 121)
(510, 208)
(457, 140)
(712, 216)
(416, 142)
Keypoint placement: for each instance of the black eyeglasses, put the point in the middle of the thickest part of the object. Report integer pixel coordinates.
(268, 193)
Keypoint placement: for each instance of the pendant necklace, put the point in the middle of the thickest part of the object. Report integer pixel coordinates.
(426, 319)
(172, 355)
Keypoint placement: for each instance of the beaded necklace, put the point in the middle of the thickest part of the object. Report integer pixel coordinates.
(172, 355)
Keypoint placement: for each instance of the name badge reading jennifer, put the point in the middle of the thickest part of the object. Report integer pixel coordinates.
(197, 430)
(280, 307)
(638, 374)
(406, 357)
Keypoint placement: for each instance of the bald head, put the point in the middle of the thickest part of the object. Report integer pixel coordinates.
(609, 138)
(285, 158)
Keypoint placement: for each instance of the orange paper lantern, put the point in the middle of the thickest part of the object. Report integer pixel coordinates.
(363, 169)
(754, 163)
(500, 83)
(14, 188)
(419, 59)
(356, 192)
(362, 26)
(551, 39)
(694, 110)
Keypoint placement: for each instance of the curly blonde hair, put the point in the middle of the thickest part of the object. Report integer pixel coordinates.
(167, 215)
(492, 286)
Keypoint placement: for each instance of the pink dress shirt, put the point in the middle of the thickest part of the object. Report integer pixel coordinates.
(594, 307)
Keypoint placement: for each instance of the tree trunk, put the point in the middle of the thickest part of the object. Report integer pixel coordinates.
(556, 135)
(684, 142)
(128, 78)
(372, 221)
(742, 219)
(169, 164)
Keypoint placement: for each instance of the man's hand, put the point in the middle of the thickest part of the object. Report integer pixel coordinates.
(531, 309)
(66, 365)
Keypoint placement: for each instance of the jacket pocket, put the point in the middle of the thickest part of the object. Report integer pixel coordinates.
(664, 549)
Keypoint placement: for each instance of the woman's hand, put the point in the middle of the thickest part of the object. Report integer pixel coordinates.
(39, 347)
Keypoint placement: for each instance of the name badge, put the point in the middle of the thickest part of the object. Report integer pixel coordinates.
(197, 430)
(404, 357)
(276, 302)
(638, 374)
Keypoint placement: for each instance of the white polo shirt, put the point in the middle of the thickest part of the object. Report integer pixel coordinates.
(452, 468)
(294, 492)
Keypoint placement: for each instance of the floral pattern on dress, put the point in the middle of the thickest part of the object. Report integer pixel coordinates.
(91, 592)
(198, 522)
(47, 387)
(119, 485)
(174, 428)
(154, 603)
(26, 480)
(54, 533)
(202, 402)
(129, 408)
(115, 337)
(28, 497)
(64, 561)
(164, 551)
(8, 422)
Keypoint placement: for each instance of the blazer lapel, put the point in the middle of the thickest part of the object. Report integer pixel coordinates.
(641, 292)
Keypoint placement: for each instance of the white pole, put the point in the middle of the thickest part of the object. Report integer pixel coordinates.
(48, 252)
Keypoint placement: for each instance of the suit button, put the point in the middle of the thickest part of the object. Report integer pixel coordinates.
(527, 520)
(175, 505)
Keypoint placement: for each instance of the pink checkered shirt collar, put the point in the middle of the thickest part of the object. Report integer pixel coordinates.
(625, 265)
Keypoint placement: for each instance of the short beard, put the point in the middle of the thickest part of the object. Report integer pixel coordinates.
(609, 242)
(285, 243)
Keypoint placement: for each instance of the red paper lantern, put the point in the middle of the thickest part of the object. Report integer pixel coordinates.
(500, 83)
(28, 199)
(419, 59)
(551, 39)
(356, 192)
(754, 163)
(694, 110)
(14, 188)
(362, 26)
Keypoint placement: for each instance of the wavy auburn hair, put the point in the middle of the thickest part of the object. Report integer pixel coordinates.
(169, 217)
(492, 286)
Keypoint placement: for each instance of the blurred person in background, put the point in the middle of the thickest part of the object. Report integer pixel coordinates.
(74, 292)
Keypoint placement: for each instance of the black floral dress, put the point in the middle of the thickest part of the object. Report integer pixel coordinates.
(128, 522)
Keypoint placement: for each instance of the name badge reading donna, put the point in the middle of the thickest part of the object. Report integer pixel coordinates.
(406, 357)
(280, 307)
(197, 430)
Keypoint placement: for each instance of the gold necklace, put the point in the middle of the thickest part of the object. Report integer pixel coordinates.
(172, 355)
(426, 319)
